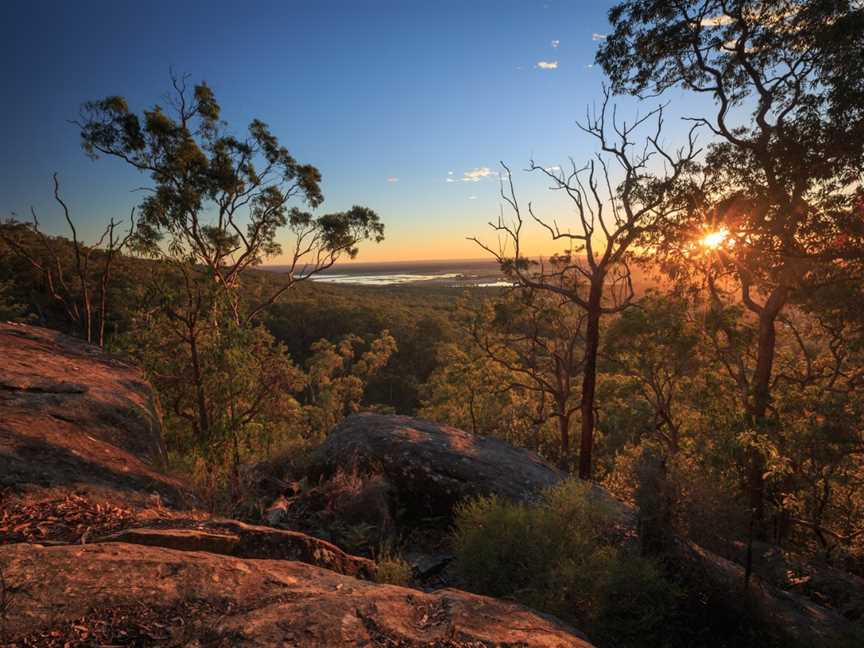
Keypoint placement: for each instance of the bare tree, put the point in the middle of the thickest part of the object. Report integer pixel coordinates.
(538, 339)
(72, 288)
(620, 195)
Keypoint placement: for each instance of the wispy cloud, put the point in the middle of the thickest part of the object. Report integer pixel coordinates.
(547, 65)
(392, 179)
(450, 180)
(475, 175)
(598, 37)
(472, 197)
(555, 44)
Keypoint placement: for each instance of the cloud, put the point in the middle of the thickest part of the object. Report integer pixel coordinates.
(472, 197)
(475, 175)
(392, 179)
(450, 180)
(555, 44)
(598, 37)
(547, 65)
(716, 21)
(553, 169)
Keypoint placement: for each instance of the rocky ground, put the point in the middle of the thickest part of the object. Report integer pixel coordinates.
(99, 547)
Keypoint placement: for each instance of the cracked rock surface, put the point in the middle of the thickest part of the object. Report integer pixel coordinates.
(237, 602)
(71, 415)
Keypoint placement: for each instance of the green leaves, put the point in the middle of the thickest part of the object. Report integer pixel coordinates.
(221, 202)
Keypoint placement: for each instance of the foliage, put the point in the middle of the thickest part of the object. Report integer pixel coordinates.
(537, 339)
(392, 569)
(75, 277)
(466, 391)
(780, 182)
(215, 210)
(336, 377)
(515, 374)
(656, 347)
(10, 308)
(418, 318)
(557, 556)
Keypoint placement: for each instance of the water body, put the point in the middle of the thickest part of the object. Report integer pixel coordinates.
(460, 273)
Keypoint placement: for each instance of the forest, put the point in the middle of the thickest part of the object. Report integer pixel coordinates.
(693, 342)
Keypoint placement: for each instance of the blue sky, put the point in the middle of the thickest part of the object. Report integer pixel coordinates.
(389, 99)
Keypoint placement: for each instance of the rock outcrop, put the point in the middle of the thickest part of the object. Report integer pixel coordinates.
(233, 538)
(116, 593)
(431, 467)
(99, 547)
(73, 416)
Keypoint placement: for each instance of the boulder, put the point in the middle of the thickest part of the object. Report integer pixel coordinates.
(117, 593)
(73, 416)
(430, 467)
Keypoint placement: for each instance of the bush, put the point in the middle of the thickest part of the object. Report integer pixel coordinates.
(392, 569)
(557, 557)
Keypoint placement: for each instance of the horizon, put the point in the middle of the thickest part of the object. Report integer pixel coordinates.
(413, 127)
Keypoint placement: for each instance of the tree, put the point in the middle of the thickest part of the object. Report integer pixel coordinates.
(785, 167)
(82, 290)
(216, 208)
(336, 377)
(593, 271)
(537, 338)
(655, 345)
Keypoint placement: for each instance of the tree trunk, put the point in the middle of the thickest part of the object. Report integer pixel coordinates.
(589, 378)
(200, 398)
(760, 400)
(564, 433)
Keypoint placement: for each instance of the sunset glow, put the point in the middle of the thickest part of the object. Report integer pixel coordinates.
(715, 239)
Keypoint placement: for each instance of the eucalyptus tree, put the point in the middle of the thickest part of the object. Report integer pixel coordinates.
(785, 168)
(656, 345)
(218, 205)
(620, 195)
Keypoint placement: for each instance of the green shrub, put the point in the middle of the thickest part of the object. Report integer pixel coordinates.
(392, 569)
(555, 556)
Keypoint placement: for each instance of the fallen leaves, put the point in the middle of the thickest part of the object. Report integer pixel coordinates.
(178, 625)
(71, 518)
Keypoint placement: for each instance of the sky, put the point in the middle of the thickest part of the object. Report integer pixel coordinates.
(405, 107)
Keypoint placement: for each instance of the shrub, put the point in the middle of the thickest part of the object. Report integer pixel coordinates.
(557, 556)
(392, 569)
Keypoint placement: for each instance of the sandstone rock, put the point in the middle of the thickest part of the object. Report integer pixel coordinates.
(430, 467)
(232, 538)
(250, 603)
(71, 415)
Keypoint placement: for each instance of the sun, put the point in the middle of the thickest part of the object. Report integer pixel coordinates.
(714, 240)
